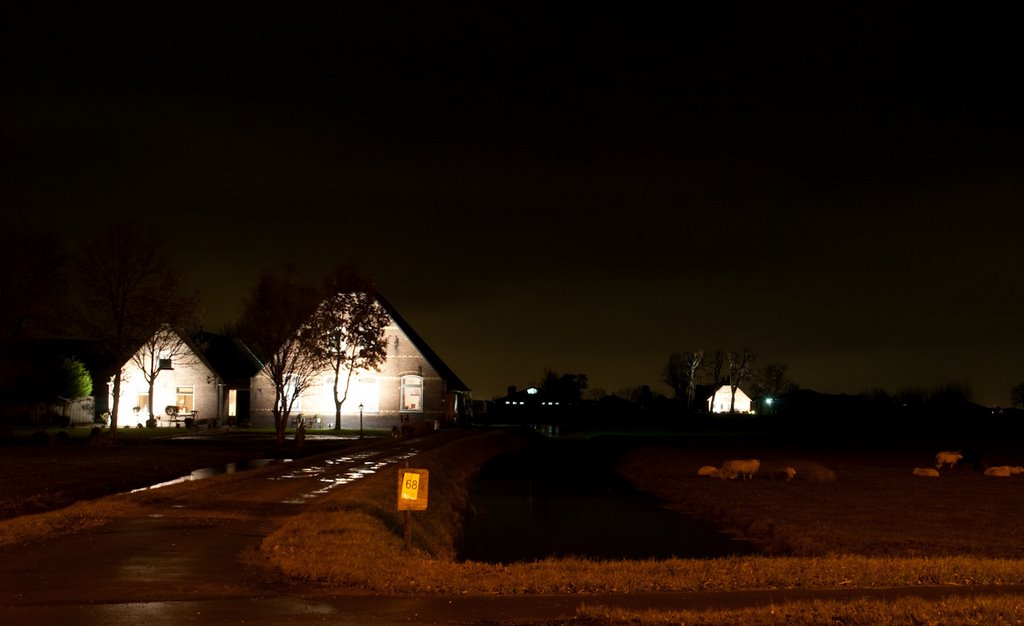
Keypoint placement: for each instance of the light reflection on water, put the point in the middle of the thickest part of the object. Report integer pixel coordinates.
(340, 471)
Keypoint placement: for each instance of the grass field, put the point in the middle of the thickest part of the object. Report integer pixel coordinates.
(845, 499)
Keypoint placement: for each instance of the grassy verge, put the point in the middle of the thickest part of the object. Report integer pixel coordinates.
(969, 611)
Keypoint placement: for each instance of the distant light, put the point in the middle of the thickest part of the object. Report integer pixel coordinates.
(769, 401)
(532, 391)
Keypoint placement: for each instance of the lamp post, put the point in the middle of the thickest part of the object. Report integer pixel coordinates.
(360, 420)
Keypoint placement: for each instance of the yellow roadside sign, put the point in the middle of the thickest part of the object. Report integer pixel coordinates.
(412, 489)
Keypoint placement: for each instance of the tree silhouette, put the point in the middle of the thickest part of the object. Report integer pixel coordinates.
(127, 288)
(347, 331)
(739, 365)
(163, 349)
(275, 325)
(681, 374)
(716, 367)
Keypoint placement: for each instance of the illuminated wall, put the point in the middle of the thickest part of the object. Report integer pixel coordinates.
(191, 385)
(723, 399)
(406, 385)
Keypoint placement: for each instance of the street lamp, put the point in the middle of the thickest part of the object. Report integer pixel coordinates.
(360, 420)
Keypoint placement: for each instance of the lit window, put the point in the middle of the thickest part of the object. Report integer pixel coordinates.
(365, 392)
(232, 403)
(185, 399)
(412, 393)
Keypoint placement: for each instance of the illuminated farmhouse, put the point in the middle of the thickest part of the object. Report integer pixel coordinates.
(205, 378)
(723, 401)
(413, 385)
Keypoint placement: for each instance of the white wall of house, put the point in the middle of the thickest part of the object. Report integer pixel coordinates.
(723, 400)
(406, 385)
(190, 385)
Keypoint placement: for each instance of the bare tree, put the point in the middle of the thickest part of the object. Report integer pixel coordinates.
(681, 373)
(275, 324)
(163, 349)
(772, 381)
(1017, 396)
(348, 335)
(739, 366)
(716, 367)
(686, 369)
(127, 289)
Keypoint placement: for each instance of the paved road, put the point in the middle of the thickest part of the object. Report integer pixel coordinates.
(191, 558)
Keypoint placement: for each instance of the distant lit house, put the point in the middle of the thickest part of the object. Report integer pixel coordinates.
(413, 385)
(531, 405)
(721, 401)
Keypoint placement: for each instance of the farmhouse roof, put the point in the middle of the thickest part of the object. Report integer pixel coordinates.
(454, 382)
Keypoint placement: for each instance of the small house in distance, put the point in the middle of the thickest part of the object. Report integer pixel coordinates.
(721, 401)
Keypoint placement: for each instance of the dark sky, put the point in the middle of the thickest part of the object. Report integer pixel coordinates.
(584, 187)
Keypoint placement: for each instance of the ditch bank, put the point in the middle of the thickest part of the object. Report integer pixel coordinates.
(561, 498)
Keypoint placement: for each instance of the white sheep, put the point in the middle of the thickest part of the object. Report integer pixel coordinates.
(998, 470)
(926, 471)
(725, 473)
(786, 473)
(947, 458)
(708, 470)
(742, 467)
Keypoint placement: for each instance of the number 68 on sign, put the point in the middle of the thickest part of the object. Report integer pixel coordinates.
(412, 489)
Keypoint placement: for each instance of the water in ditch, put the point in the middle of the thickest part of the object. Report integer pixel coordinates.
(562, 498)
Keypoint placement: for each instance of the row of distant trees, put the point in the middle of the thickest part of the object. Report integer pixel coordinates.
(684, 372)
(687, 371)
(121, 291)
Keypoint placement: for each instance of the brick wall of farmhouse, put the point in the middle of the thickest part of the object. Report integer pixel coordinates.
(379, 392)
(192, 374)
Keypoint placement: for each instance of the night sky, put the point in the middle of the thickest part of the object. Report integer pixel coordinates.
(585, 187)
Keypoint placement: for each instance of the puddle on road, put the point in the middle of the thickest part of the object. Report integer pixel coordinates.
(207, 472)
(339, 471)
(327, 475)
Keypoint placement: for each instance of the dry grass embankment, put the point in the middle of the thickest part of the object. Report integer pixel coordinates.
(354, 541)
(961, 611)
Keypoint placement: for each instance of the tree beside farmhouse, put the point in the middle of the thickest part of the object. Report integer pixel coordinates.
(348, 335)
(126, 288)
(275, 325)
(160, 352)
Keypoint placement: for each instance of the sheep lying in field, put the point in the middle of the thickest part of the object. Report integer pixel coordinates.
(947, 458)
(786, 473)
(926, 471)
(708, 470)
(1001, 470)
(741, 467)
